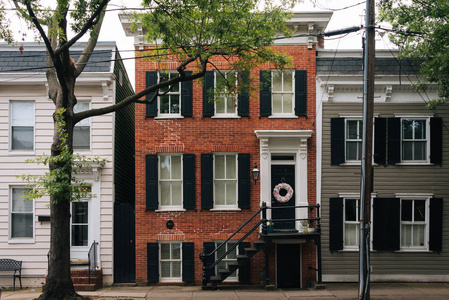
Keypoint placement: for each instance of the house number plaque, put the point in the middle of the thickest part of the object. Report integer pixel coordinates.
(170, 224)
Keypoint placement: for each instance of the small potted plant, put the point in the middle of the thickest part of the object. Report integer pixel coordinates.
(270, 226)
(304, 226)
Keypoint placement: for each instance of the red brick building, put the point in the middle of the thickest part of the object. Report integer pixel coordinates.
(194, 160)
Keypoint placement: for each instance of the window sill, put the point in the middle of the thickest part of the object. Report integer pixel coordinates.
(168, 117)
(226, 209)
(413, 250)
(226, 117)
(173, 280)
(424, 163)
(21, 241)
(283, 117)
(355, 163)
(349, 250)
(171, 209)
(21, 152)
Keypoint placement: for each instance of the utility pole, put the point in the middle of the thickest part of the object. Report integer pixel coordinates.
(366, 186)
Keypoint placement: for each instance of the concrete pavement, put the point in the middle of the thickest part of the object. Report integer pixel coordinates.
(335, 291)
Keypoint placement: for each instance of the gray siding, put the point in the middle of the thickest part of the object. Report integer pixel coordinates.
(388, 180)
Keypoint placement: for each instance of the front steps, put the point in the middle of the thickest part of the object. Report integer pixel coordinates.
(80, 280)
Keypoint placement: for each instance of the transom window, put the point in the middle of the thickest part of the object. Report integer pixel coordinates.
(225, 180)
(170, 261)
(170, 180)
(22, 125)
(231, 257)
(413, 224)
(22, 215)
(282, 92)
(354, 131)
(351, 223)
(81, 130)
(414, 139)
(80, 223)
(226, 102)
(169, 102)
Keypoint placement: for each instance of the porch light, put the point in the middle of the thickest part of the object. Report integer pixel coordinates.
(255, 173)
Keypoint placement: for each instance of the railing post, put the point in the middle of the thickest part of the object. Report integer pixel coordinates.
(264, 218)
(203, 259)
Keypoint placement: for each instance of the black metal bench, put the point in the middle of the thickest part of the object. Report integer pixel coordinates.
(11, 265)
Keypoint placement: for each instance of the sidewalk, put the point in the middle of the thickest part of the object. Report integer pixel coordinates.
(408, 291)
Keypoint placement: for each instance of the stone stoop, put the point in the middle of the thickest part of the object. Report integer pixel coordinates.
(80, 280)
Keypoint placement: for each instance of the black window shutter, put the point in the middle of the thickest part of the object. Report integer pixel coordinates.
(380, 140)
(436, 141)
(337, 141)
(188, 259)
(188, 181)
(436, 224)
(208, 105)
(152, 262)
(151, 108)
(208, 247)
(265, 93)
(394, 141)
(243, 97)
(386, 224)
(245, 269)
(301, 93)
(244, 184)
(152, 201)
(207, 181)
(186, 96)
(336, 224)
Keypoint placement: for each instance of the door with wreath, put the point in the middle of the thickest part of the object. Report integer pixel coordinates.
(283, 197)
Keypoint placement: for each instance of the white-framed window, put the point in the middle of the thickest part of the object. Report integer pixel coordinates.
(353, 139)
(225, 181)
(22, 125)
(21, 215)
(169, 104)
(170, 181)
(415, 145)
(414, 223)
(80, 224)
(351, 220)
(226, 102)
(81, 130)
(231, 257)
(282, 92)
(170, 261)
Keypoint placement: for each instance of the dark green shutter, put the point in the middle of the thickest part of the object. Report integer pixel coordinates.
(151, 108)
(380, 140)
(208, 104)
(336, 224)
(386, 224)
(208, 247)
(187, 96)
(265, 93)
(394, 141)
(436, 141)
(436, 224)
(151, 181)
(243, 97)
(152, 262)
(207, 181)
(245, 269)
(301, 93)
(244, 177)
(188, 259)
(188, 181)
(337, 141)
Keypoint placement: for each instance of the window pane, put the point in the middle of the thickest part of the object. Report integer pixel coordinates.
(22, 225)
(288, 104)
(165, 251)
(79, 107)
(174, 107)
(176, 167)
(176, 251)
(277, 82)
(418, 235)
(176, 269)
(165, 269)
(233, 253)
(220, 103)
(81, 137)
(165, 193)
(420, 150)
(352, 150)
(350, 210)
(22, 138)
(19, 204)
(219, 167)
(164, 167)
(407, 129)
(80, 212)
(288, 81)
(22, 114)
(420, 129)
(406, 210)
(175, 88)
(420, 210)
(220, 250)
(407, 150)
(231, 104)
(277, 103)
(176, 193)
(231, 189)
(165, 104)
(79, 235)
(352, 130)
(351, 234)
(231, 167)
(219, 193)
(406, 235)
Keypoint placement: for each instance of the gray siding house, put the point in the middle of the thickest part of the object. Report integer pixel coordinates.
(409, 236)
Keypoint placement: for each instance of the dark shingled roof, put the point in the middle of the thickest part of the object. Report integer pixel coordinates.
(34, 61)
(354, 66)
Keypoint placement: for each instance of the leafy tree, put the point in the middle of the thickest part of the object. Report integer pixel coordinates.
(193, 32)
(423, 34)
